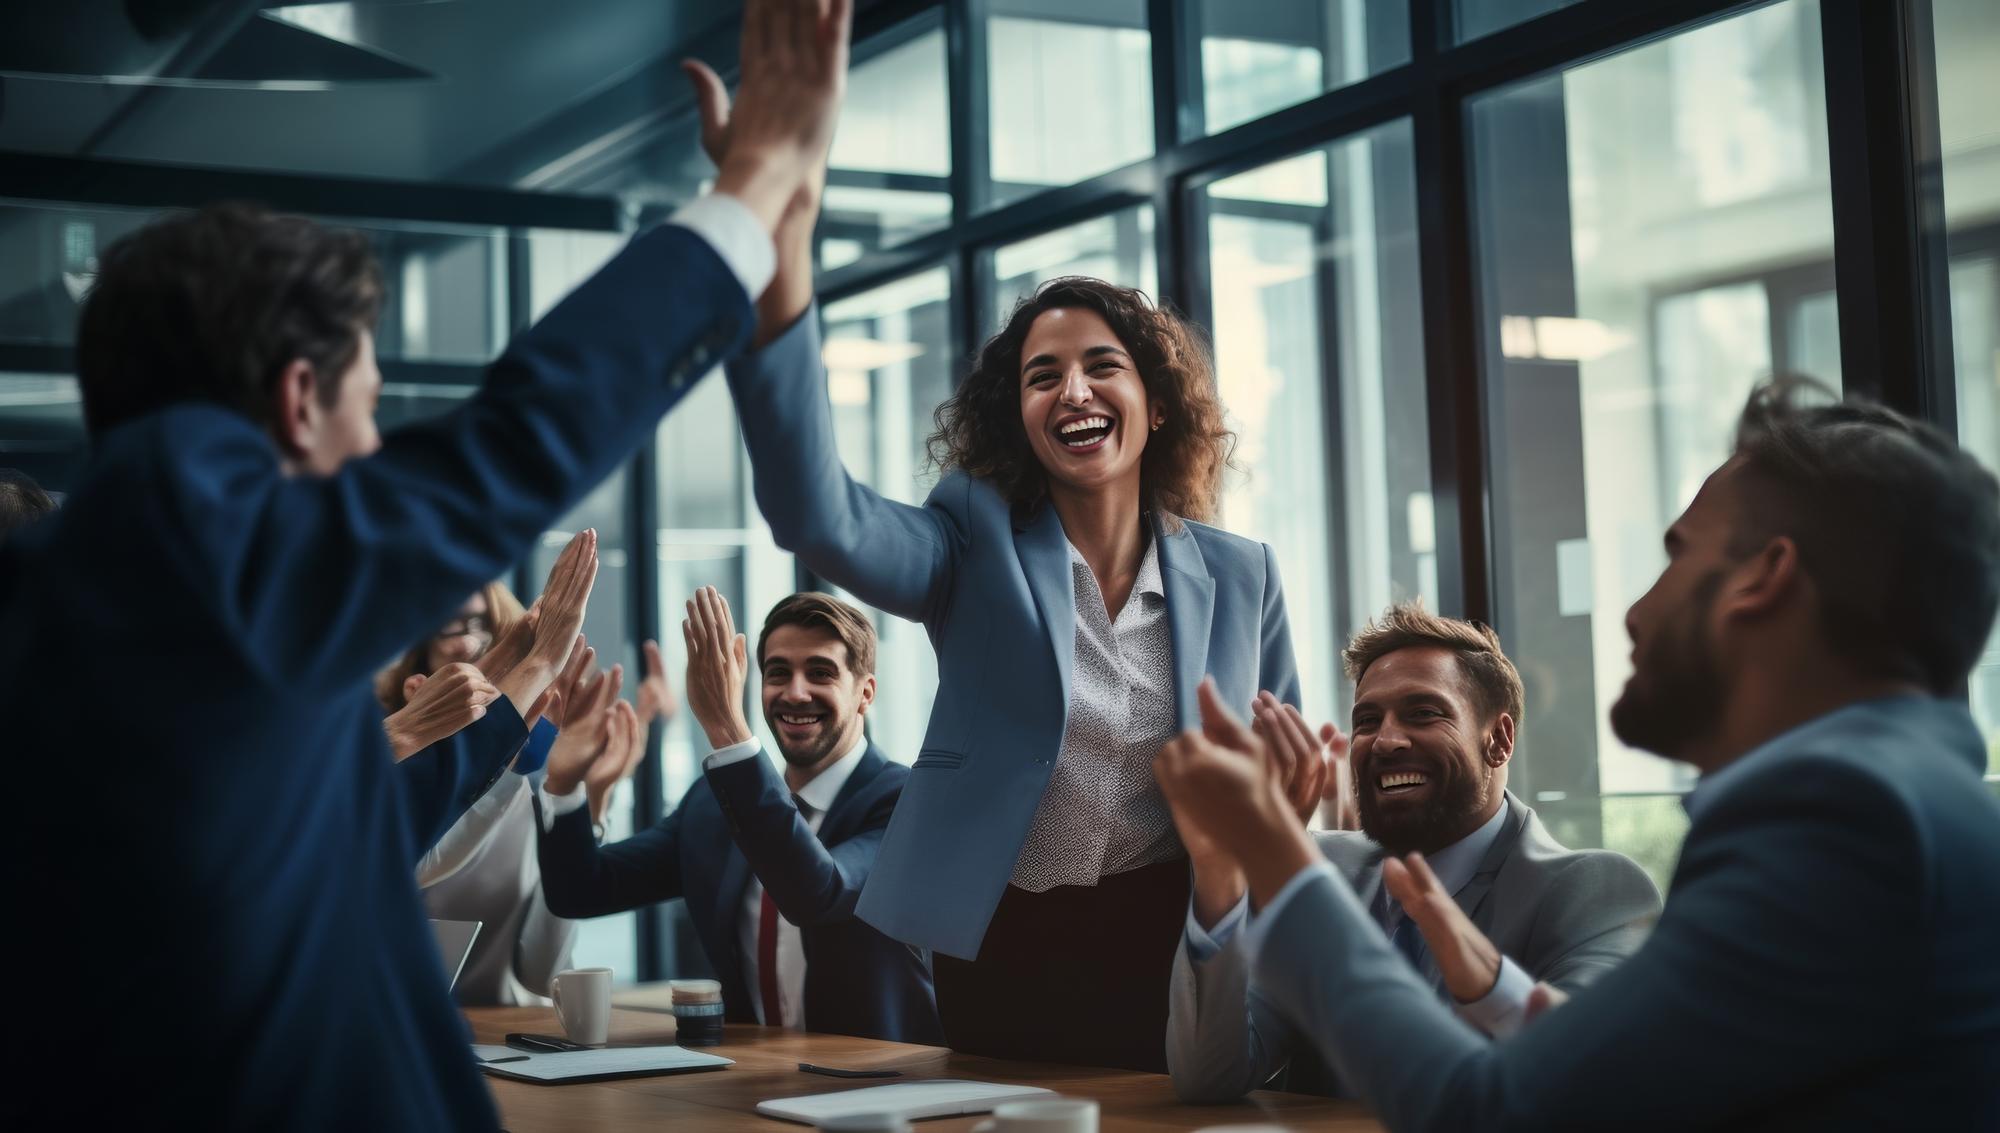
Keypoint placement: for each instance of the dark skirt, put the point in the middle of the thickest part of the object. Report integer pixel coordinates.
(1077, 974)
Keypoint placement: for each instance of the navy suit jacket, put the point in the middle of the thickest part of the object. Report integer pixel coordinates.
(1827, 960)
(739, 821)
(995, 592)
(187, 651)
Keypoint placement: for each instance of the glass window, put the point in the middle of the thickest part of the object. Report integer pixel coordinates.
(1654, 235)
(710, 534)
(1476, 18)
(1319, 358)
(1069, 91)
(1257, 58)
(602, 941)
(1118, 247)
(445, 286)
(889, 364)
(1967, 36)
(888, 178)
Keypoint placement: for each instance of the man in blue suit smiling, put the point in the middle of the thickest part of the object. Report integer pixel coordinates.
(771, 864)
(239, 905)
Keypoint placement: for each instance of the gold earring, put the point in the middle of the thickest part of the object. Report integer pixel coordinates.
(1158, 422)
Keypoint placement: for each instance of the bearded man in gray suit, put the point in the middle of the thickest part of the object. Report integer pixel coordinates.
(1437, 707)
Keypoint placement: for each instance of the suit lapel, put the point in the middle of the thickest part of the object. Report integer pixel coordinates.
(1190, 610)
(842, 815)
(1044, 553)
(1473, 896)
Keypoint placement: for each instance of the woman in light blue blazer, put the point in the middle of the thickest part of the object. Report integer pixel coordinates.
(1074, 603)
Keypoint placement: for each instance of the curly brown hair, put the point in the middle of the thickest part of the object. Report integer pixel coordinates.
(979, 427)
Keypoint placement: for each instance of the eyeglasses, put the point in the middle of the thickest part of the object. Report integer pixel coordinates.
(478, 625)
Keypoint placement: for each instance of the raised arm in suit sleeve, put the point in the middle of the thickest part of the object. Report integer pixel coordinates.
(1753, 986)
(1277, 669)
(1223, 1040)
(810, 882)
(582, 879)
(448, 779)
(316, 579)
(890, 555)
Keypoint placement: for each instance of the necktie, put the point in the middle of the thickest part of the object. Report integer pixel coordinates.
(1409, 940)
(767, 946)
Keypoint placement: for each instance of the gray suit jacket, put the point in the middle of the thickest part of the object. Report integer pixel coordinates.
(1565, 916)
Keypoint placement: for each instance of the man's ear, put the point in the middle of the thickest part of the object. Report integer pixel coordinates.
(867, 691)
(296, 409)
(1500, 741)
(1763, 581)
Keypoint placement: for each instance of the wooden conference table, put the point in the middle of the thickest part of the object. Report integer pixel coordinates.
(767, 1067)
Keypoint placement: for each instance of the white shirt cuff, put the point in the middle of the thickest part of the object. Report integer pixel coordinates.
(734, 753)
(1204, 943)
(732, 230)
(555, 806)
(1502, 1011)
(1254, 936)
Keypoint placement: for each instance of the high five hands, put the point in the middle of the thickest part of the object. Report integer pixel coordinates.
(771, 146)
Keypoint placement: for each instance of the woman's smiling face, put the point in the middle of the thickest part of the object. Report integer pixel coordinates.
(1084, 407)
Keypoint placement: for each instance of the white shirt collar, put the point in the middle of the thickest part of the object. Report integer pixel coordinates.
(825, 786)
(1147, 581)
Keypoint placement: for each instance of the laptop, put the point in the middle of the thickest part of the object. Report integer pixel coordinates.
(454, 940)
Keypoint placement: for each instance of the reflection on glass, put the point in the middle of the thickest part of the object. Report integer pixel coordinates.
(1319, 357)
(1484, 17)
(888, 175)
(443, 284)
(889, 365)
(1655, 236)
(1967, 35)
(1118, 248)
(1257, 58)
(1069, 89)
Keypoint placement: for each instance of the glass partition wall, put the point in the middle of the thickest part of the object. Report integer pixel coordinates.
(1486, 282)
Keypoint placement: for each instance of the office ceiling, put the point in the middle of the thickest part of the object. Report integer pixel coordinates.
(468, 91)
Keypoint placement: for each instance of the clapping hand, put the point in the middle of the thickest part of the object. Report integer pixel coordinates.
(585, 729)
(718, 664)
(440, 705)
(1467, 960)
(1228, 790)
(624, 746)
(536, 647)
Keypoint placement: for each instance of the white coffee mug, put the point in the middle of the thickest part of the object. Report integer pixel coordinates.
(1042, 1115)
(583, 1004)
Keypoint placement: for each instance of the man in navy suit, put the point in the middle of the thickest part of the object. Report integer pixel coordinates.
(770, 865)
(1826, 956)
(236, 900)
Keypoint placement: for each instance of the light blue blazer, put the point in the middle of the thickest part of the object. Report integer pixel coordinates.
(994, 592)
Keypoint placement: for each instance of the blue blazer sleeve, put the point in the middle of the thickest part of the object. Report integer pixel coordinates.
(441, 782)
(1753, 988)
(315, 580)
(890, 555)
(582, 879)
(810, 882)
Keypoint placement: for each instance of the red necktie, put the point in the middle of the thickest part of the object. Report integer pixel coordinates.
(767, 961)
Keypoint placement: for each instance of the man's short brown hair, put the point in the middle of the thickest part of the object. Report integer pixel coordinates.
(1490, 677)
(823, 611)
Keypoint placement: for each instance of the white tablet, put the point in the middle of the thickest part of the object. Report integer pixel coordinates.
(945, 1097)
